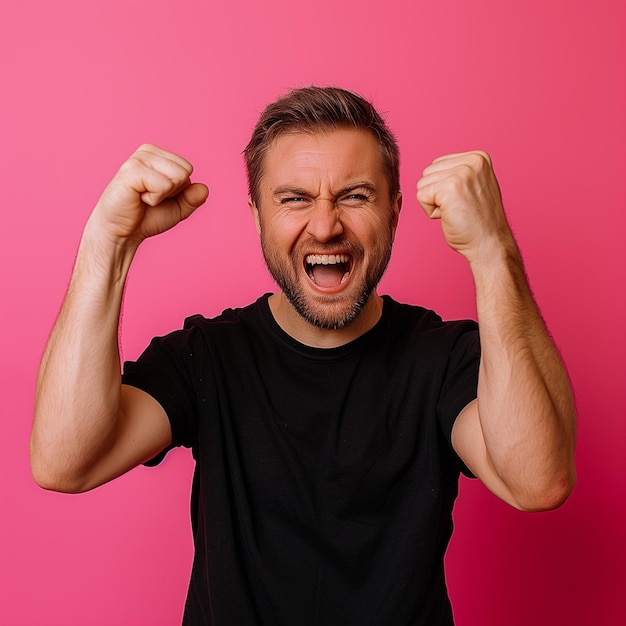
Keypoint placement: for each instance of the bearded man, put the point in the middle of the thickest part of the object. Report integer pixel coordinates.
(329, 424)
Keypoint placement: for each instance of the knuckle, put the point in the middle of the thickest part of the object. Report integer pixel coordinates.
(132, 167)
(146, 147)
(485, 156)
(474, 160)
(481, 159)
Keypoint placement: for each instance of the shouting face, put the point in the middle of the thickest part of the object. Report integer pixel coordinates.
(327, 222)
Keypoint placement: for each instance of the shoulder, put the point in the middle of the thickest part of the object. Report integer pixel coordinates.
(418, 319)
(234, 330)
(231, 316)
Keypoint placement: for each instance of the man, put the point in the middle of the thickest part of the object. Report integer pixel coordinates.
(328, 424)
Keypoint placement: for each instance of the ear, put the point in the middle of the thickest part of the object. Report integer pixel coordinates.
(396, 207)
(255, 214)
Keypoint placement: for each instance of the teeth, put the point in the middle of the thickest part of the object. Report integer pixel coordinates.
(327, 259)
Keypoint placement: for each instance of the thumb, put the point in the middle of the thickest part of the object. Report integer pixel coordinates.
(191, 198)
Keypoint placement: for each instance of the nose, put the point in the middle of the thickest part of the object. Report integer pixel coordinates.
(324, 222)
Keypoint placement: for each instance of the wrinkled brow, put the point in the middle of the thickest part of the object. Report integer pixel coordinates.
(289, 190)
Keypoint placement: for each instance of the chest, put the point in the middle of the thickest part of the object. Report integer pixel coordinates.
(341, 437)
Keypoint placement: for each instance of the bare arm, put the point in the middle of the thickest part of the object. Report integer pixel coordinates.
(87, 427)
(518, 437)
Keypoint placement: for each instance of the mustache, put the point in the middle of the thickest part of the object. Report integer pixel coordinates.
(331, 246)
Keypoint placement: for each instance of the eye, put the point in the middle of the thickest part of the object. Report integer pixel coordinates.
(294, 201)
(354, 199)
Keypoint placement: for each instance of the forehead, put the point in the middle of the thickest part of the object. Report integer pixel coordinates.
(331, 157)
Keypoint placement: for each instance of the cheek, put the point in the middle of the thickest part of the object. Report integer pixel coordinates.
(371, 233)
(278, 250)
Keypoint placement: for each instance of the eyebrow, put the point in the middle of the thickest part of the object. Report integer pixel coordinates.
(367, 186)
(288, 190)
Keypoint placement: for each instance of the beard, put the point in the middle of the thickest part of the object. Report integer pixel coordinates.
(333, 311)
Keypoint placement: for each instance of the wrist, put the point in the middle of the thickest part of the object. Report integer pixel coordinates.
(500, 278)
(104, 255)
(495, 255)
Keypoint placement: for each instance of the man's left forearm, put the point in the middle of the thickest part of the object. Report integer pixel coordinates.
(525, 402)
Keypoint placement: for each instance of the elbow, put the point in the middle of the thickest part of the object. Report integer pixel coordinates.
(54, 475)
(54, 481)
(547, 497)
(51, 481)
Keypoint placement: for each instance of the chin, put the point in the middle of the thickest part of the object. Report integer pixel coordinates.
(331, 312)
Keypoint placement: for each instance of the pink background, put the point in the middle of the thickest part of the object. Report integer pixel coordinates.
(539, 84)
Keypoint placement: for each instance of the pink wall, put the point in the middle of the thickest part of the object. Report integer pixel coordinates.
(540, 84)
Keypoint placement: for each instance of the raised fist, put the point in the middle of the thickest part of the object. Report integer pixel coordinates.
(151, 193)
(462, 191)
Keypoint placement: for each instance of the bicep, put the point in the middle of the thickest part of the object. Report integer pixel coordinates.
(143, 430)
(469, 443)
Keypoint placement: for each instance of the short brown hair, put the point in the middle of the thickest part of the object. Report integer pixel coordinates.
(311, 109)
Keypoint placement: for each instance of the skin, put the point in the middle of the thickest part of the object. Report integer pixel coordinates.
(326, 194)
(321, 193)
(87, 428)
(519, 436)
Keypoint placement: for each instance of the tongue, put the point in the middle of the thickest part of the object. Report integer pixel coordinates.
(328, 275)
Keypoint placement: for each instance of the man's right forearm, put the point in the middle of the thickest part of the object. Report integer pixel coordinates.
(78, 388)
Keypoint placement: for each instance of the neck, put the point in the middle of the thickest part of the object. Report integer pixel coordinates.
(304, 332)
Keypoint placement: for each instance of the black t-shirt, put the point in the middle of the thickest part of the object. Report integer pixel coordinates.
(325, 478)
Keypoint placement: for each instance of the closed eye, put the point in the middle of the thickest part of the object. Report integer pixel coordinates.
(354, 199)
(295, 202)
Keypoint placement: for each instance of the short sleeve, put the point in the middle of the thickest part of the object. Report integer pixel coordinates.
(168, 370)
(460, 385)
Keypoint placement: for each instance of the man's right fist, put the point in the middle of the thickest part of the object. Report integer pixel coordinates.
(151, 193)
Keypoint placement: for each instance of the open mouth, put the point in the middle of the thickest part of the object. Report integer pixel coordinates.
(328, 270)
